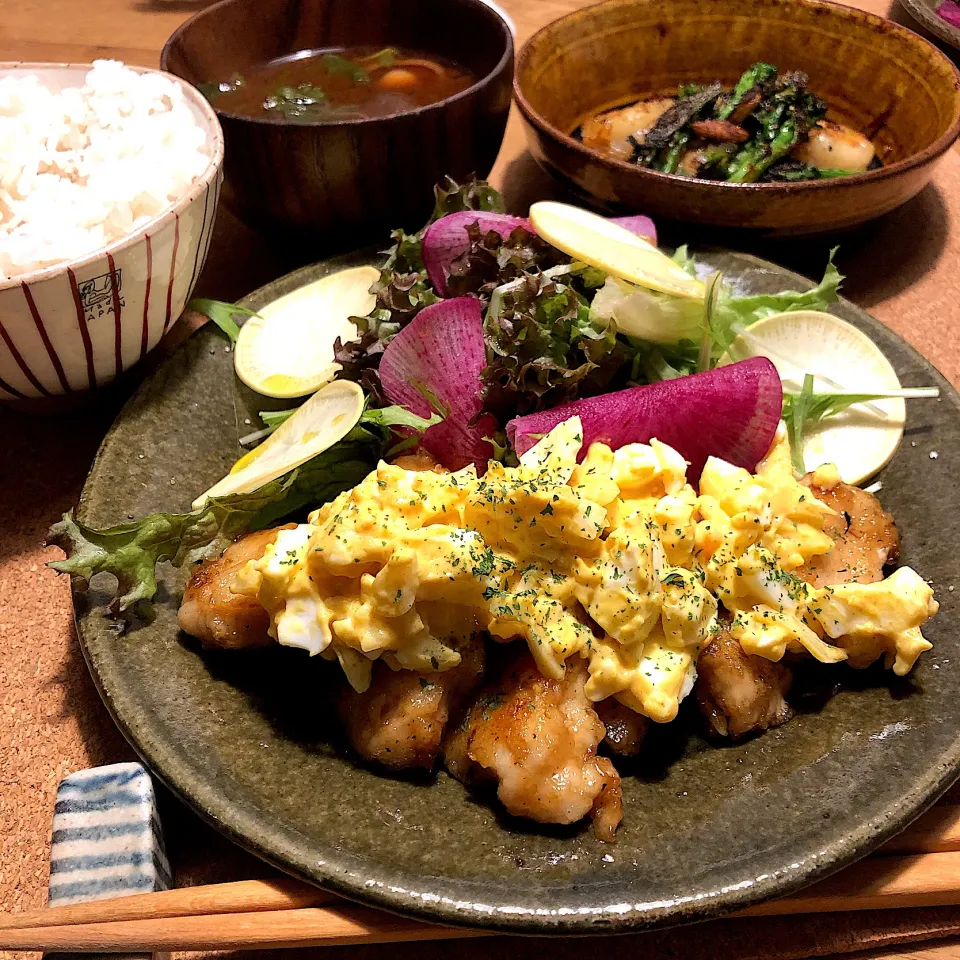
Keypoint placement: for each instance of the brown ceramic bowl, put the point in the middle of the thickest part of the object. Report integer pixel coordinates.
(332, 185)
(877, 76)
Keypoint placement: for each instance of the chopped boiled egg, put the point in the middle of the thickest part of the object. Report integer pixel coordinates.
(889, 613)
(636, 581)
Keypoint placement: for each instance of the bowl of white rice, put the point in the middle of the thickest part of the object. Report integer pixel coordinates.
(109, 181)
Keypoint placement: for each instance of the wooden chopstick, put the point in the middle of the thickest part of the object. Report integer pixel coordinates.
(937, 831)
(876, 883)
(926, 880)
(286, 912)
(340, 926)
(244, 896)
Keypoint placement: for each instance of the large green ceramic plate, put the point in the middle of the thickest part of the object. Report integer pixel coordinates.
(244, 738)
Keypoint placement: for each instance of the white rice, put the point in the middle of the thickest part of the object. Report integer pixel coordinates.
(83, 168)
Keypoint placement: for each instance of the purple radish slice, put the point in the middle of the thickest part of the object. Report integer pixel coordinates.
(641, 226)
(731, 413)
(440, 354)
(447, 238)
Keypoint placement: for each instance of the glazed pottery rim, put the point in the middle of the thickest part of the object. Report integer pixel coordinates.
(358, 878)
(213, 137)
(919, 159)
(486, 80)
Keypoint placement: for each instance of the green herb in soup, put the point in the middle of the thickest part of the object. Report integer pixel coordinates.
(313, 86)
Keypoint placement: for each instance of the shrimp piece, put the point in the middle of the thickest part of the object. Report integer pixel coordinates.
(833, 145)
(608, 132)
(740, 693)
(399, 722)
(866, 538)
(214, 614)
(626, 728)
(537, 740)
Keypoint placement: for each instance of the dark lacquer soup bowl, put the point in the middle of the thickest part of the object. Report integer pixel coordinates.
(335, 183)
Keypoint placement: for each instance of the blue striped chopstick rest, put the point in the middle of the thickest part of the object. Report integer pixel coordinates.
(106, 836)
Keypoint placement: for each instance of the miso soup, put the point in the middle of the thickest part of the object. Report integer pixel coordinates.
(315, 86)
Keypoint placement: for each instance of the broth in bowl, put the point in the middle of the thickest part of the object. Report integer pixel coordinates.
(352, 83)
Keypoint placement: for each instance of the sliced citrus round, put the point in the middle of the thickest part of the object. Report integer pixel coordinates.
(861, 439)
(325, 419)
(597, 241)
(286, 350)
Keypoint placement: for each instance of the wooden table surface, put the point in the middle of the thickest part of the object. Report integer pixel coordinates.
(902, 268)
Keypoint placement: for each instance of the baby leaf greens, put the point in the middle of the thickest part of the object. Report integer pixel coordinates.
(543, 348)
(731, 311)
(446, 240)
(374, 420)
(452, 197)
(397, 416)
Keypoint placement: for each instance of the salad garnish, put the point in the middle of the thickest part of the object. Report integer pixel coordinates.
(286, 350)
(222, 314)
(843, 361)
(806, 409)
(412, 378)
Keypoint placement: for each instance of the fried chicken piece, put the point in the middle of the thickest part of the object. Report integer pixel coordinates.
(537, 740)
(215, 615)
(865, 534)
(626, 728)
(400, 720)
(607, 809)
(740, 693)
